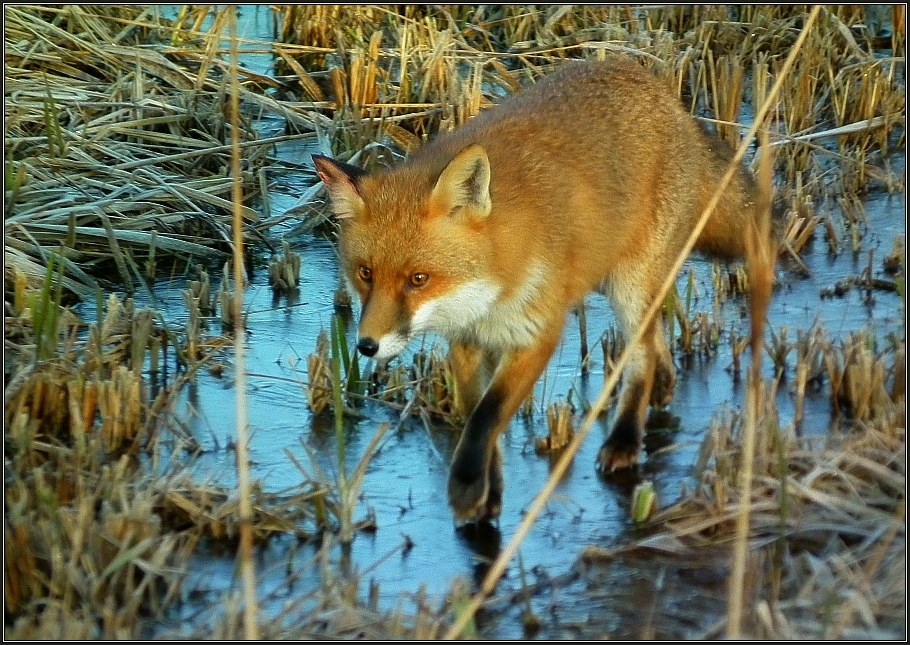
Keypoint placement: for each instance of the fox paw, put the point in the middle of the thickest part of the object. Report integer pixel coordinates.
(664, 383)
(479, 500)
(468, 499)
(618, 455)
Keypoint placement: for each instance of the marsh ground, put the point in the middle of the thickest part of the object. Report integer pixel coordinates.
(120, 506)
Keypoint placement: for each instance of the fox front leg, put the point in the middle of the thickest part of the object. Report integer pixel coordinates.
(472, 368)
(475, 479)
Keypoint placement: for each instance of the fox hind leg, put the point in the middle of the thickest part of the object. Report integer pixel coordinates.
(622, 447)
(664, 371)
(650, 362)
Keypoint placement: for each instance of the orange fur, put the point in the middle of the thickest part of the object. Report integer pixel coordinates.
(589, 181)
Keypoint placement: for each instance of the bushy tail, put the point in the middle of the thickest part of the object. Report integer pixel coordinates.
(725, 236)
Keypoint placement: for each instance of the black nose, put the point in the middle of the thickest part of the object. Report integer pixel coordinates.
(367, 346)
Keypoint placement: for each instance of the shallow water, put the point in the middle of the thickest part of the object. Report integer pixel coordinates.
(406, 481)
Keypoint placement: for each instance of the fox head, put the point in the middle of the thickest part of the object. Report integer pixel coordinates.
(413, 246)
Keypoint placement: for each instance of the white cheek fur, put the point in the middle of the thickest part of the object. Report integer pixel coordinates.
(474, 311)
(448, 315)
(513, 322)
(456, 311)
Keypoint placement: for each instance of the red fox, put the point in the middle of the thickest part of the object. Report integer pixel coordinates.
(591, 180)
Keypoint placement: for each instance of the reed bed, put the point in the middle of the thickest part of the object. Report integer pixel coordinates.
(118, 140)
(827, 531)
(115, 152)
(116, 155)
(827, 544)
(102, 514)
(410, 71)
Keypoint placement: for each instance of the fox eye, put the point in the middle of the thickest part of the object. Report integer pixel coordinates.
(419, 279)
(365, 274)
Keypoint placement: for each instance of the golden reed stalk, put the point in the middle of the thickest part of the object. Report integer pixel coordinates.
(245, 554)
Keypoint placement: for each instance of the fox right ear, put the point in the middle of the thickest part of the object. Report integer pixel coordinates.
(342, 182)
(465, 182)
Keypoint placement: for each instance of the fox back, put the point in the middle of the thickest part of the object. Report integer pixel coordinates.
(581, 169)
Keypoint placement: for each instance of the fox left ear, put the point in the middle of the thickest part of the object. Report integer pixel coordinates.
(465, 182)
(342, 182)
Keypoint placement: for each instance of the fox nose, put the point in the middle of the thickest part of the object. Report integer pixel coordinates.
(367, 346)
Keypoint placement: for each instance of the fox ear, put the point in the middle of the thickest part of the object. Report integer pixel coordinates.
(465, 182)
(342, 182)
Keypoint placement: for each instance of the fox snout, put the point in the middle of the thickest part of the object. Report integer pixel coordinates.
(368, 346)
(384, 347)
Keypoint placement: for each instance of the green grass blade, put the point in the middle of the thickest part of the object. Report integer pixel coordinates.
(339, 401)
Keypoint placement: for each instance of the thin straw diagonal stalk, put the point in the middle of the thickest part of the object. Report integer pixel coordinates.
(498, 567)
(245, 553)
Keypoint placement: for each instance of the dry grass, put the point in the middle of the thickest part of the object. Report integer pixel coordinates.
(114, 152)
(100, 521)
(118, 141)
(826, 537)
(423, 69)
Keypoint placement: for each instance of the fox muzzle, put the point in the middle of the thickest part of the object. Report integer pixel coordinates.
(368, 347)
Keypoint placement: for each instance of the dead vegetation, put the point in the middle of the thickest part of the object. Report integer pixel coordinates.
(101, 512)
(115, 153)
(117, 143)
(827, 545)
